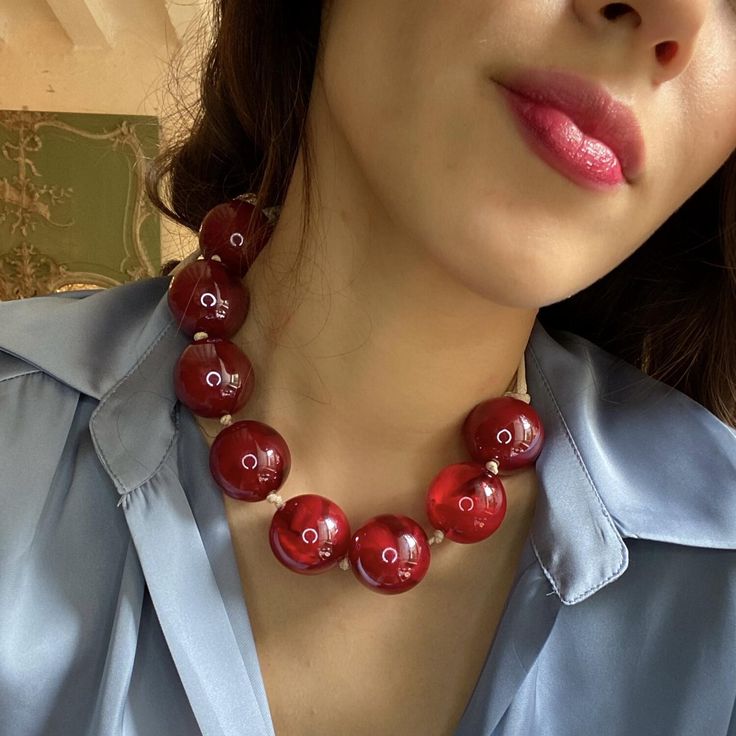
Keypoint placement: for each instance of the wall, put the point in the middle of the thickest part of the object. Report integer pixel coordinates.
(103, 56)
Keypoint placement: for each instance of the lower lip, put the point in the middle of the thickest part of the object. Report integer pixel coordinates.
(560, 143)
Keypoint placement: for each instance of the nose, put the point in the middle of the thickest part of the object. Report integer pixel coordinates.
(662, 34)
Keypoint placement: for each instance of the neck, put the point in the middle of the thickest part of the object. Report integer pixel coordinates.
(370, 360)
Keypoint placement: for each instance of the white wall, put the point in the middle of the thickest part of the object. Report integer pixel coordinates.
(102, 56)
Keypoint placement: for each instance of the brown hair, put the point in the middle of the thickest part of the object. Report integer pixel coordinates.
(669, 309)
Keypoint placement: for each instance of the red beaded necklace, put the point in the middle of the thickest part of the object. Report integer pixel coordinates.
(250, 461)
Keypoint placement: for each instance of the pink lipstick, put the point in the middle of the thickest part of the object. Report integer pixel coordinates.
(576, 127)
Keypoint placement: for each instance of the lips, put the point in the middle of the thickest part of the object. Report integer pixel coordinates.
(590, 107)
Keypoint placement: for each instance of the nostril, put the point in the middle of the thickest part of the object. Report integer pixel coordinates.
(614, 10)
(665, 51)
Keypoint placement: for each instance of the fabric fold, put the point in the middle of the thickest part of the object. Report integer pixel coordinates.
(190, 609)
(519, 641)
(109, 713)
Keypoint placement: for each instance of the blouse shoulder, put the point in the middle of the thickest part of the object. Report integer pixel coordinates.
(66, 554)
(655, 462)
(86, 339)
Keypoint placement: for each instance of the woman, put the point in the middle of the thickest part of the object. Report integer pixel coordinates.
(432, 202)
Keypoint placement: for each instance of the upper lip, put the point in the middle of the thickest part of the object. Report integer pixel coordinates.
(590, 107)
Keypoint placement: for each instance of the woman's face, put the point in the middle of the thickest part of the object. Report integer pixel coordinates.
(414, 88)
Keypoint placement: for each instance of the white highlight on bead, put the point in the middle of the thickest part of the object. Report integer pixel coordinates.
(389, 550)
(306, 533)
(213, 376)
(466, 506)
(208, 296)
(249, 457)
(276, 500)
(504, 433)
(237, 240)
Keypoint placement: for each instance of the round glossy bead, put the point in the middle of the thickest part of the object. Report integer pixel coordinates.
(249, 460)
(237, 232)
(505, 429)
(205, 296)
(389, 553)
(309, 534)
(466, 502)
(213, 377)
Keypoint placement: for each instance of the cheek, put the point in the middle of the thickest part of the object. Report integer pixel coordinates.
(701, 122)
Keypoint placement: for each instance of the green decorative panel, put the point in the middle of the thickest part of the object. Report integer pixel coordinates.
(73, 211)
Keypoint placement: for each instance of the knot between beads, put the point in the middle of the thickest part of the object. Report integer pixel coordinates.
(492, 467)
(276, 500)
(437, 536)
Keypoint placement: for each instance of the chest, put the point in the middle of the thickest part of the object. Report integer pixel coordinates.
(338, 659)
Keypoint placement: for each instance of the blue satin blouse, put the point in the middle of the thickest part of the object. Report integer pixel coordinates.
(121, 606)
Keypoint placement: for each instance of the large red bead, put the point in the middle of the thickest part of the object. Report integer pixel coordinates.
(505, 429)
(205, 296)
(237, 232)
(213, 377)
(309, 534)
(466, 502)
(389, 554)
(249, 460)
